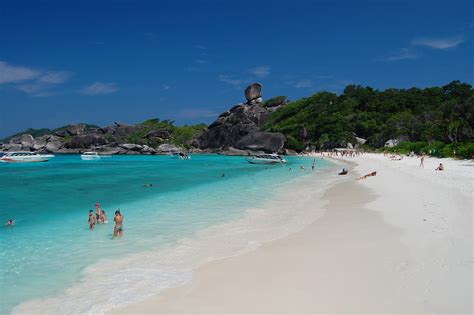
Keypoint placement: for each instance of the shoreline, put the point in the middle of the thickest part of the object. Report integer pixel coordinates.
(173, 265)
(397, 242)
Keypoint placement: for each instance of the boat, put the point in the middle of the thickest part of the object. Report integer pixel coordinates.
(90, 156)
(266, 159)
(25, 156)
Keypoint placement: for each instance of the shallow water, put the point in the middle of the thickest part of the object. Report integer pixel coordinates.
(51, 246)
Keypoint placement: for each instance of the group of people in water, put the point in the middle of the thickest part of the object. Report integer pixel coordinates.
(100, 217)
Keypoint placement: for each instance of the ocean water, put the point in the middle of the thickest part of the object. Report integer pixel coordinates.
(52, 258)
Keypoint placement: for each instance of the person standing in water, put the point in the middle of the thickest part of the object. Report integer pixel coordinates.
(118, 219)
(312, 166)
(99, 213)
(92, 220)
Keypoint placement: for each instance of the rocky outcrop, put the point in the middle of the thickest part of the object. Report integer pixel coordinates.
(239, 127)
(168, 148)
(158, 133)
(123, 130)
(253, 93)
(76, 129)
(27, 140)
(234, 152)
(265, 141)
(85, 141)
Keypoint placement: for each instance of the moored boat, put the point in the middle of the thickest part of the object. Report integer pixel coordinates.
(25, 156)
(266, 159)
(90, 156)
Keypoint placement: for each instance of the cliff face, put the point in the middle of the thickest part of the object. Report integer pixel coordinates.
(239, 127)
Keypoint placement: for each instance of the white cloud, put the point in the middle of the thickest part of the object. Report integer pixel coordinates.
(304, 84)
(229, 80)
(261, 71)
(201, 47)
(55, 77)
(402, 54)
(438, 43)
(166, 87)
(99, 88)
(14, 74)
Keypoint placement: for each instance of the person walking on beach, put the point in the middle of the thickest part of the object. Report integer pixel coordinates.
(118, 229)
(422, 159)
(92, 220)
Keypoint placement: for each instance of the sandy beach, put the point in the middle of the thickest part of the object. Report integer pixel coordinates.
(395, 243)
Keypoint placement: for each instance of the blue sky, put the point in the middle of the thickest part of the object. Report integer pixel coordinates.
(104, 61)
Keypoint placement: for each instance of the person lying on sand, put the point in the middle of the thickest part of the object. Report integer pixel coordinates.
(440, 167)
(344, 171)
(367, 175)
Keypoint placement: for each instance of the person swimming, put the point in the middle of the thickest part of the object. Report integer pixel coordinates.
(10, 223)
(118, 228)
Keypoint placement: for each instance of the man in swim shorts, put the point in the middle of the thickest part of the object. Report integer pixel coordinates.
(118, 219)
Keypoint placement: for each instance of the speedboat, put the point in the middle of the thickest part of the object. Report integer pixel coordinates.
(25, 156)
(90, 156)
(266, 159)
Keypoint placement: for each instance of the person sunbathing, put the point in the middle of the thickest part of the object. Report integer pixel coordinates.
(344, 171)
(440, 167)
(367, 175)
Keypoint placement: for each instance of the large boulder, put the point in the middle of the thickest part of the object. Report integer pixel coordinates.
(253, 93)
(61, 133)
(131, 146)
(53, 146)
(125, 130)
(147, 150)
(27, 140)
(158, 133)
(234, 152)
(85, 141)
(40, 143)
(167, 148)
(232, 129)
(265, 141)
(12, 147)
(76, 129)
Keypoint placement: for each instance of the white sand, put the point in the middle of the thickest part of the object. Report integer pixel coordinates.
(397, 242)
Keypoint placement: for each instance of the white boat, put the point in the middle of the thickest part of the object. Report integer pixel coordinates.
(25, 156)
(90, 156)
(266, 159)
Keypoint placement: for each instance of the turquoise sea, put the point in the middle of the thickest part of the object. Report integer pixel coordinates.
(51, 245)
